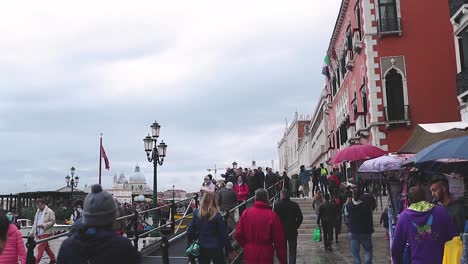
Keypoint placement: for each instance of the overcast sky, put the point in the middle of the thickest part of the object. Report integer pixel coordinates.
(219, 76)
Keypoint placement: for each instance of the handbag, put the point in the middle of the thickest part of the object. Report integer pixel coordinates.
(317, 234)
(194, 249)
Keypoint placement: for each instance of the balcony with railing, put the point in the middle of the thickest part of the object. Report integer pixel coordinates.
(397, 115)
(389, 26)
(462, 82)
(455, 5)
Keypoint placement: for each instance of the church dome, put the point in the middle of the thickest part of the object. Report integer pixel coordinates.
(137, 177)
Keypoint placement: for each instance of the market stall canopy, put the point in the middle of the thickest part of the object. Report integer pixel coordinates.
(357, 152)
(426, 134)
(450, 154)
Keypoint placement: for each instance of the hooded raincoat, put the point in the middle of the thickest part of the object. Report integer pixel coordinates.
(426, 227)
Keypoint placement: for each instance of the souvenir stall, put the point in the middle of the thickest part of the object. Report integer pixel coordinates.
(448, 159)
(388, 171)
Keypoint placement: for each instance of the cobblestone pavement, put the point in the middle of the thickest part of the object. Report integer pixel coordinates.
(309, 251)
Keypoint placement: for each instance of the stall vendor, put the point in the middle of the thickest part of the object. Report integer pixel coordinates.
(440, 193)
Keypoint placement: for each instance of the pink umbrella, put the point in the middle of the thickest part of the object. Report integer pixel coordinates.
(357, 152)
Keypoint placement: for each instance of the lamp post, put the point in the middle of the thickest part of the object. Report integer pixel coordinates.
(215, 171)
(72, 182)
(234, 165)
(156, 155)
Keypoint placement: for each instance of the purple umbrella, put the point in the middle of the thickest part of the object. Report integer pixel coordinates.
(381, 164)
(375, 168)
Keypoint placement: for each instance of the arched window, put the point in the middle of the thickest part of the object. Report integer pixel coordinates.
(395, 109)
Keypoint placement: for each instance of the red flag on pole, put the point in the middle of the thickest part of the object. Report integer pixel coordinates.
(106, 160)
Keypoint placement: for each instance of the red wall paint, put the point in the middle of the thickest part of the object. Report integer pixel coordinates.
(428, 47)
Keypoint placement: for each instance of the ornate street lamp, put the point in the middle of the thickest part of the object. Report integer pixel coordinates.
(234, 165)
(156, 155)
(72, 182)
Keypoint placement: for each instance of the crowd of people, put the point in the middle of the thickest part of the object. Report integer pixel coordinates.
(329, 199)
(432, 218)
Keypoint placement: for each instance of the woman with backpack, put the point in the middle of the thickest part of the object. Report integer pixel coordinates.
(208, 228)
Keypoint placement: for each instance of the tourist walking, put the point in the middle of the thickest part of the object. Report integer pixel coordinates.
(75, 215)
(339, 216)
(286, 182)
(323, 178)
(361, 227)
(208, 227)
(260, 178)
(384, 222)
(93, 241)
(226, 199)
(14, 248)
(425, 226)
(44, 221)
(315, 180)
(207, 186)
(4, 227)
(318, 200)
(294, 185)
(260, 232)
(291, 217)
(327, 220)
(304, 177)
(241, 189)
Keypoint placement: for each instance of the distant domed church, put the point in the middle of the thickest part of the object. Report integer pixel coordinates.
(123, 189)
(137, 182)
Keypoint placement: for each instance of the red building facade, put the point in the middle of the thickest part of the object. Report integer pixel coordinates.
(392, 67)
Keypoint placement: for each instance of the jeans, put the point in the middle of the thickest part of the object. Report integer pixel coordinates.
(306, 190)
(315, 187)
(323, 185)
(327, 230)
(356, 241)
(211, 254)
(292, 248)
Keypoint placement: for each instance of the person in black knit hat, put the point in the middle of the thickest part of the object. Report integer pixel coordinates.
(92, 240)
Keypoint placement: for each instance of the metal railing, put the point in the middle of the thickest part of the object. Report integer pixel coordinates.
(135, 219)
(273, 192)
(462, 82)
(390, 25)
(392, 113)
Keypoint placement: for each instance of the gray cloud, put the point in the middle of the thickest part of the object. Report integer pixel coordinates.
(220, 79)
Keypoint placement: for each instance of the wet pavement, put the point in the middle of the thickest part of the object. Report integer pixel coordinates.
(310, 251)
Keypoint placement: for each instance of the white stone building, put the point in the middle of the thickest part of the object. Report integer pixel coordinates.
(288, 146)
(318, 144)
(123, 190)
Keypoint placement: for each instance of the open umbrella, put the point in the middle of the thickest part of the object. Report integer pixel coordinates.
(381, 164)
(357, 152)
(449, 154)
(374, 169)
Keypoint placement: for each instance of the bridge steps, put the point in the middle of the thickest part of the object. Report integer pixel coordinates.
(309, 223)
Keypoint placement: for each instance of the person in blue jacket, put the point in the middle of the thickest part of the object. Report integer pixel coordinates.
(208, 227)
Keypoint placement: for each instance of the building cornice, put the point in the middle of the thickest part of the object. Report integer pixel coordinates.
(338, 23)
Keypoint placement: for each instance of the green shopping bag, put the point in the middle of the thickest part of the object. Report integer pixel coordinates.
(317, 234)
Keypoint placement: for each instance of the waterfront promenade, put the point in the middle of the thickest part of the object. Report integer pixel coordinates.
(308, 251)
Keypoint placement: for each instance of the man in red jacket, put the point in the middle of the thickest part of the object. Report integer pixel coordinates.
(260, 232)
